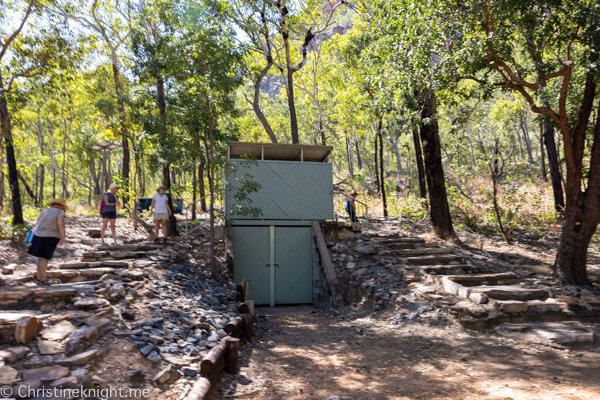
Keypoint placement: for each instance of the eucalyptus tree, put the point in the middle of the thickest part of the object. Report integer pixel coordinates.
(207, 75)
(112, 22)
(273, 29)
(27, 53)
(490, 43)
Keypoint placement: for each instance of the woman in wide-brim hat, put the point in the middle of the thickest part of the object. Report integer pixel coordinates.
(48, 233)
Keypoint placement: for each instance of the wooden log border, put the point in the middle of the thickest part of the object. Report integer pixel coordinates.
(224, 356)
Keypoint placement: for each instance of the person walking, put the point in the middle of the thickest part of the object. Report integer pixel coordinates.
(351, 209)
(108, 209)
(160, 212)
(49, 232)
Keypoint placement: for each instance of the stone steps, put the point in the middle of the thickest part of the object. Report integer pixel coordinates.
(394, 242)
(431, 260)
(456, 269)
(423, 251)
(503, 278)
(96, 264)
(505, 292)
(561, 333)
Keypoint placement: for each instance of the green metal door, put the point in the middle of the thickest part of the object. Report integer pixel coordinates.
(293, 255)
(251, 258)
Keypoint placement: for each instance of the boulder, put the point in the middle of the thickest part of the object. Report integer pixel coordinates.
(79, 359)
(14, 354)
(46, 374)
(8, 375)
(67, 382)
(40, 361)
(590, 297)
(91, 302)
(137, 375)
(80, 340)
(22, 389)
(167, 375)
(26, 329)
(47, 347)
(59, 331)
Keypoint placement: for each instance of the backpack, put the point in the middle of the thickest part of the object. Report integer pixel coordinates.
(348, 206)
(101, 205)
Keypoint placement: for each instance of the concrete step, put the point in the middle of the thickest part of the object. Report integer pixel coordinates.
(423, 251)
(459, 269)
(431, 260)
(504, 278)
(505, 292)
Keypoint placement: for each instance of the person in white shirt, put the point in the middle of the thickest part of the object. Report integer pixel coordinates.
(160, 212)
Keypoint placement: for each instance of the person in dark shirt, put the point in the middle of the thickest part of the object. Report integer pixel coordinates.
(108, 209)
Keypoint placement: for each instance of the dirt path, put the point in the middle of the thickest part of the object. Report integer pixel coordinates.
(359, 355)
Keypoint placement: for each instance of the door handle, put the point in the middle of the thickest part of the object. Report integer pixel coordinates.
(267, 266)
(276, 265)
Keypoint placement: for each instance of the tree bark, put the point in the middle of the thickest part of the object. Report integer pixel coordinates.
(381, 173)
(211, 173)
(434, 171)
(256, 104)
(397, 154)
(201, 167)
(420, 166)
(349, 156)
(13, 179)
(28, 189)
(162, 110)
(123, 123)
(542, 153)
(377, 187)
(555, 175)
(526, 137)
(358, 159)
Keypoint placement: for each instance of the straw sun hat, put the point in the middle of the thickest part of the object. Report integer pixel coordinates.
(59, 202)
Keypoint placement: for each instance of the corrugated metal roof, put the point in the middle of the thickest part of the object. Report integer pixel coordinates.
(289, 190)
(276, 151)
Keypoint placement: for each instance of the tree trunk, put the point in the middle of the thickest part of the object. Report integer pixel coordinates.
(377, 186)
(381, 173)
(124, 134)
(28, 189)
(13, 179)
(397, 154)
(349, 156)
(256, 104)
(419, 160)
(434, 171)
(542, 153)
(358, 159)
(555, 175)
(201, 182)
(194, 193)
(520, 143)
(211, 173)
(526, 137)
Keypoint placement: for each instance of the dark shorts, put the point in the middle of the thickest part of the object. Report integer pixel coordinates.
(109, 214)
(43, 246)
(353, 217)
